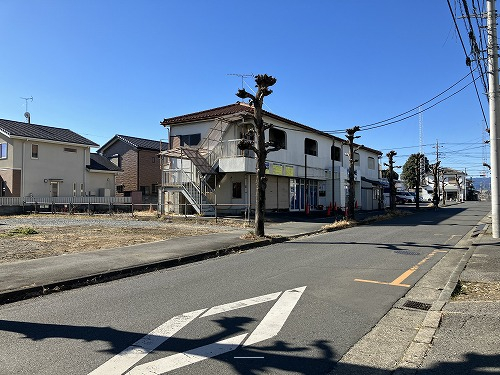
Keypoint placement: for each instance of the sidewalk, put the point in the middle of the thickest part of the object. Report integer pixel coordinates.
(438, 334)
(468, 338)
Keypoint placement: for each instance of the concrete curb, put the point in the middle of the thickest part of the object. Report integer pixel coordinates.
(116, 274)
(418, 348)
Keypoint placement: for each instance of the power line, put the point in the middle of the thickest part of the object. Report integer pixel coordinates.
(467, 59)
(388, 121)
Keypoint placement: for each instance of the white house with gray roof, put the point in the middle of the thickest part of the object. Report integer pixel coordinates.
(44, 161)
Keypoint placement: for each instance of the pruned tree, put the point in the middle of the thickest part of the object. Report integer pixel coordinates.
(386, 173)
(435, 191)
(257, 143)
(352, 184)
(444, 182)
(459, 182)
(391, 177)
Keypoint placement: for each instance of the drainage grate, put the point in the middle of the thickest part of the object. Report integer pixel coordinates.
(406, 252)
(417, 305)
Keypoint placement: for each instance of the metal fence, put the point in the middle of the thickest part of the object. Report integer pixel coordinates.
(20, 201)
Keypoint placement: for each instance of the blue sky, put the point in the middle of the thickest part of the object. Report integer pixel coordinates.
(106, 67)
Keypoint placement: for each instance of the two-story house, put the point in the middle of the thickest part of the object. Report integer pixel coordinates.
(139, 160)
(204, 167)
(454, 182)
(44, 161)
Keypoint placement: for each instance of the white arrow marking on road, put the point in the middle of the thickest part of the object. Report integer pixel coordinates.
(163, 365)
(240, 304)
(139, 349)
(276, 317)
(268, 328)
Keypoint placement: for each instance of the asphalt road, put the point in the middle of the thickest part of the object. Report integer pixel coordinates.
(294, 307)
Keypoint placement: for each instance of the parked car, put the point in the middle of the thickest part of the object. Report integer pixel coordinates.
(414, 195)
(403, 197)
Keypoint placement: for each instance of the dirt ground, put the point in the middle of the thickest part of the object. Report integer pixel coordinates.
(37, 240)
(30, 237)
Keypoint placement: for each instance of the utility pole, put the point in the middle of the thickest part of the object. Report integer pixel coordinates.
(494, 120)
(435, 191)
(420, 158)
(352, 191)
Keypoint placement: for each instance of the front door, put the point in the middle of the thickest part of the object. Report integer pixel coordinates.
(54, 189)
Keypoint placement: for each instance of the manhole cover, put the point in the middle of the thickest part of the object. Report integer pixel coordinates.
(417, 305)
(406, 252)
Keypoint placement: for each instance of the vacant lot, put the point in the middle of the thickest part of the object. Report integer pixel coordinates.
(35, 236)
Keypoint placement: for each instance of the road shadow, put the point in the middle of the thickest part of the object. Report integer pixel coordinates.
(276, 356)
(317, 358)
(403, 248)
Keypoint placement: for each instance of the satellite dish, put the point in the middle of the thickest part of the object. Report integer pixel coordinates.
(27, 115)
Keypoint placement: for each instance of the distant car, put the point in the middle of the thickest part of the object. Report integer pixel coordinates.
(403, 197)
(420, 198)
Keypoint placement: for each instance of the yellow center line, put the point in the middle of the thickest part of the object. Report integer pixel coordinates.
(398, 281)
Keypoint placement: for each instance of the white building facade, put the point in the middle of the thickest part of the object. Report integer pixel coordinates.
(204, 169)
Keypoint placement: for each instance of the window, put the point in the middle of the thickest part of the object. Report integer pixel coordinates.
(277, 138)
(190, 139)
(67, 149)
(119, 189)
(356, 158)
(237, 190)
(3, 150)
(310, 147)
(145, 190)
(335, 153)
(154, 189)
(371, 163)
(34, 153)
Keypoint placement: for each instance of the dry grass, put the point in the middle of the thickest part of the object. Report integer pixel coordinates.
(476, 291)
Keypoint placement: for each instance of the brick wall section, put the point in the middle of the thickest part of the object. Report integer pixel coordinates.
(128, 177)
(149, 168)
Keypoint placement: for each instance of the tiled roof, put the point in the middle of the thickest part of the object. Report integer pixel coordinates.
(238, 108)
(101, 163)
(141, 143)
(209, 114)
(138, 143)
(34, 131)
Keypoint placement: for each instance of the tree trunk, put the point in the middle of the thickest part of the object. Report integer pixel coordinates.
(261, 179)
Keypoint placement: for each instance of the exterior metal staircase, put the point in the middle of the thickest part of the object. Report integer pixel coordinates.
(205, 159)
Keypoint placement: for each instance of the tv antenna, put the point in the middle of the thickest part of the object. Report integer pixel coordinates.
(27, 114)
(243, 76)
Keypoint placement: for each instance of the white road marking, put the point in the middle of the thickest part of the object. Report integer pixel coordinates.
(240, 304)
(164, 365)
(276, 317)
(268, 328)
(135, 352)
(248, 357)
